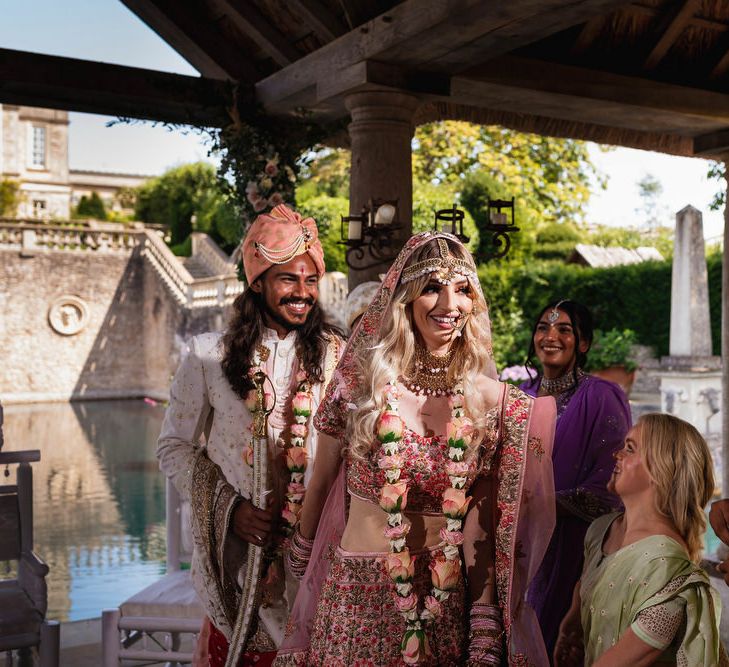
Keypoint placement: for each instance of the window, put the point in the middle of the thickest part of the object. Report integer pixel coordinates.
(38, 147)
(39, 208)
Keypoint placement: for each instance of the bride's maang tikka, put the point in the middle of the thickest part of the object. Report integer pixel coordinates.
(446, 267)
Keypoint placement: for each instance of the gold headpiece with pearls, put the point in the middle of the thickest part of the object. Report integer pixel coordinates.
(446, 267)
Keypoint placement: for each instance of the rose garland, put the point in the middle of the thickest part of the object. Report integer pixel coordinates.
(295, 452)
(445, 569)
(296, 456)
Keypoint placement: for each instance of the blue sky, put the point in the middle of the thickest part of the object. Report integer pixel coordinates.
(105, 30)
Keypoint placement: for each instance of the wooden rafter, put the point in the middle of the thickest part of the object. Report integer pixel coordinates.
(695, 21)
(587, 35)
(71, 84)
(440, 36)
(194, 35)
(314, 14)
(721, 67)
(244, 15)
(676, 25)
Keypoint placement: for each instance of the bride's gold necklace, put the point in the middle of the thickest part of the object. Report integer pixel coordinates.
(430, 373)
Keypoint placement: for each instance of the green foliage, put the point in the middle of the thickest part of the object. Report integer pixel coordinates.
(636, 296)
(183, 192)
(612, 348)
(510, 334)
(717, 171)
(326, 172)
(547, 175)
(261, 156)
(556, 240)
(183, 249)
(326, 211)
(9, 197)
(91, 207)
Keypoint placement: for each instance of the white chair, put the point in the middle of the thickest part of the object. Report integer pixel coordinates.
(148, 626)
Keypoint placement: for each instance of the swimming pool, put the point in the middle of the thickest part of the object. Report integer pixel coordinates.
(98, 497)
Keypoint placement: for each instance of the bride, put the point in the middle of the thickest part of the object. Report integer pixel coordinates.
(431, 501)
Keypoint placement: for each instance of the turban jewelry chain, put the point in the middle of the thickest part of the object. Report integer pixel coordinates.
(276, 256)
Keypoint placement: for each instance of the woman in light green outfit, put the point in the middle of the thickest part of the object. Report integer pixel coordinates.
(642, 599)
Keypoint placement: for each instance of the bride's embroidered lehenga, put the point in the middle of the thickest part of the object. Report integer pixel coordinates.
(345, 612)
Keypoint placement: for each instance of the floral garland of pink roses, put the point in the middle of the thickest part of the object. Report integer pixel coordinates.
(445, 569)
(296, 456)
(295, 452)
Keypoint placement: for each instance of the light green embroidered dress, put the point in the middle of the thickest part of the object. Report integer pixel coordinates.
(615, 588)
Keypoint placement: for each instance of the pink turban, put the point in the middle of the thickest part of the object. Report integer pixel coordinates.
(276, 238)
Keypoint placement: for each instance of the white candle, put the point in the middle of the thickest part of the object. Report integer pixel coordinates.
(499, 218)
(354, 230)
(385, 215)
(449, 227)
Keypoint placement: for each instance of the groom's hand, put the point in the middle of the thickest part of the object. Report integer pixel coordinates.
(252, 524)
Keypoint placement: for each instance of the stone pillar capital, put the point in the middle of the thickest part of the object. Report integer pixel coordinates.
(381, 105)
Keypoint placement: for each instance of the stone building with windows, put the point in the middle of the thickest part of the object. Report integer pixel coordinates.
(34, 153)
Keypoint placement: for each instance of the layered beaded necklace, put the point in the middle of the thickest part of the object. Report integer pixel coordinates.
(430, 376)
(445, 568)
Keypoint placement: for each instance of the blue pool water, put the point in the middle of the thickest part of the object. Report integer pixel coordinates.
(98, 499)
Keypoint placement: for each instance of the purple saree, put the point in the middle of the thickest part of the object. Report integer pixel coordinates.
(592, 423)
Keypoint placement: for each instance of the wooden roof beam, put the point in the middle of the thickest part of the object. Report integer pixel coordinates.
(326, 26)
(160, 23)
(678, 22)
(35, 79)
(251, 22)
(451, 32)
(713, 145)
(580, 94)
(193, 35)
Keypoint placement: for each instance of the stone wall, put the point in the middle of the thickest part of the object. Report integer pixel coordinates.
(130, 341)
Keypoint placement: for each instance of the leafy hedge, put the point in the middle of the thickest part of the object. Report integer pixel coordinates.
(636, 296)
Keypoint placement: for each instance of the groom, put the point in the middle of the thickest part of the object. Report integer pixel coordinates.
(278, 334)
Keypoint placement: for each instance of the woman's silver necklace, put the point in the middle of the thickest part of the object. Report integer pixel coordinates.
(553, 386)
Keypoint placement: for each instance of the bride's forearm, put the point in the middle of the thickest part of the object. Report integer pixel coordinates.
(478, 543)
(326, 468)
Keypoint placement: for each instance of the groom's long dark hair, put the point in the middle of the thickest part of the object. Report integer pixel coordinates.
(246, 329)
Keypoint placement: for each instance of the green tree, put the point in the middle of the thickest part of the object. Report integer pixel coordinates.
(186, 195)
(91, 207)
(545, 174)
(326, 172)
(650, 190)
(9, 197)
(327, 212)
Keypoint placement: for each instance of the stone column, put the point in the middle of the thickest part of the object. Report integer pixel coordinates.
(381, 132)
(690, 321)
(691, 378)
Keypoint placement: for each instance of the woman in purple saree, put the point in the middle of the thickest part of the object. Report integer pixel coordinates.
(593, 417)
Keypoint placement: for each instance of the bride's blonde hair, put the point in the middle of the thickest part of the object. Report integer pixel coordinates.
(392, 350)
